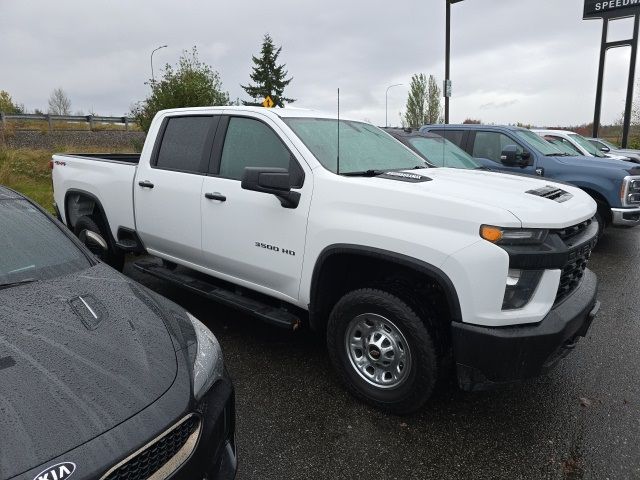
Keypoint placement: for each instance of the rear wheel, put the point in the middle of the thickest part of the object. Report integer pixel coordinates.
(382, 350)
(95, 237)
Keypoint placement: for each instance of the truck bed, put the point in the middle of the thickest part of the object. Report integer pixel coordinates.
(107, 177)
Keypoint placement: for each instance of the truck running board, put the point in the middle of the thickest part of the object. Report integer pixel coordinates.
(268, 313)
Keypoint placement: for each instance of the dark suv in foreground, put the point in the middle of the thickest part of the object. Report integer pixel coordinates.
(100, 378)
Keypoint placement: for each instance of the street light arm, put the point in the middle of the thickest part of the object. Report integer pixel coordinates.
(386, 102)
(153, 79)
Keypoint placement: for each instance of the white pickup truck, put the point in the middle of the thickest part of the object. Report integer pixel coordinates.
(300, 218)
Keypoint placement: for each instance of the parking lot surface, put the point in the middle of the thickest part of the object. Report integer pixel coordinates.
(580, 421)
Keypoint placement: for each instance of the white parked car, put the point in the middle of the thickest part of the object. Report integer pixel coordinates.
(576, 142)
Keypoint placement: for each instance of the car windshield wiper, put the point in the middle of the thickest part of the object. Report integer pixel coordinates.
(559, 154)
(15, 284)
(365, 173)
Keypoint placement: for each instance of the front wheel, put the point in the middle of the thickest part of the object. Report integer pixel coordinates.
(382, 350)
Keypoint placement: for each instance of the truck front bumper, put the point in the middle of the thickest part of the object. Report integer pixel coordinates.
(625, 217)
(486, 356)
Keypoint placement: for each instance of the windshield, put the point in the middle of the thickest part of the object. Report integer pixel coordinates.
(565, 146)
(363, 147)
(587, 145)
(442, 153)
(606, 143)
(537, 142)
(33, 247)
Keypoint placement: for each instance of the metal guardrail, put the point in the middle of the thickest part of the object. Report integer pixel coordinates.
(90, 119)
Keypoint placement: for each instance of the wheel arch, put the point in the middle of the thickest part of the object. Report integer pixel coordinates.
(601, 201)
(333, 256)
(91, 202)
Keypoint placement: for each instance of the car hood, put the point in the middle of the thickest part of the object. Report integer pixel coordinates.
(68, 376)
(596, 162)
(509, 192)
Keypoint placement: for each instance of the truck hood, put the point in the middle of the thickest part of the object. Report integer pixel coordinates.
(67, 377)
(508, 192)
(601, 163)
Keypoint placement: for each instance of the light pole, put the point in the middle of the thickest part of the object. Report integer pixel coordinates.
(447, 58)
(153, 79)
(386, 103)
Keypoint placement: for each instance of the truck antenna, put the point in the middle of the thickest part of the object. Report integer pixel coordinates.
(338, 157)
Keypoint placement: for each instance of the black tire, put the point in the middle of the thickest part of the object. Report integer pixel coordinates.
(419, 380)
(113, 256)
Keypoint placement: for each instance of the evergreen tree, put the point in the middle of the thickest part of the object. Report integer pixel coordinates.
(268, 76)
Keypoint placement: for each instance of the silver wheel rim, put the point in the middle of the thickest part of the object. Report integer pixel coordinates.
(94, 242)
(378, 351)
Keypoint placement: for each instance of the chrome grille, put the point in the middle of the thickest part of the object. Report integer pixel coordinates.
(160, 457)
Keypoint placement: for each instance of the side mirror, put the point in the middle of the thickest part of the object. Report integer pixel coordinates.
(605, 149)
(513, 156)
(275, 181)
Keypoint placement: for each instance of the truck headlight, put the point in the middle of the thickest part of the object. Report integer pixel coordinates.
(513, 236)
(520, 286)
(630, 191)
(208, 366)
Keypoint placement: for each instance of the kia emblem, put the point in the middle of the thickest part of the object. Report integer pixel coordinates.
(60, 471)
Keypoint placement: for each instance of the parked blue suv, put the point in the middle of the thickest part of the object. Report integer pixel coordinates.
(613, 184)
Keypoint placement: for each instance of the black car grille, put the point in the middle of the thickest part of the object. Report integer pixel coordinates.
(570, 232)
(148, 461)
(573, 271)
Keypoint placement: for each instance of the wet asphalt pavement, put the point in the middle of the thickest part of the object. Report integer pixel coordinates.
(580, 421)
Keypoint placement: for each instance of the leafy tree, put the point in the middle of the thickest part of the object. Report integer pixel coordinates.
(269, 78)
(423, 103)
(7, 105)
(416, 112)
(472, 121)
(59, 102)
(191, 83)
(434, 110)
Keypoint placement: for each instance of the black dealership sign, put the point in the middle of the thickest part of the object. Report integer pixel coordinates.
(610, 8)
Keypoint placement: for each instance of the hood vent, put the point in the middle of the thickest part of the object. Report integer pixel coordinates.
(90, 310)
(552, 193)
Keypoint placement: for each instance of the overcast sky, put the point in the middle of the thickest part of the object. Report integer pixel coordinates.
(531, 61)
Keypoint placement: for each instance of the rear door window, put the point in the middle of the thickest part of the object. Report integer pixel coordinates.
(185, 145)
(454, 136)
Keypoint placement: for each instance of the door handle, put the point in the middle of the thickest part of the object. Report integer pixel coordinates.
(145, 184)
(215, 196)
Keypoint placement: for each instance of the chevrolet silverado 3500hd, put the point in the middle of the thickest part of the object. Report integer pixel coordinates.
(297, 217)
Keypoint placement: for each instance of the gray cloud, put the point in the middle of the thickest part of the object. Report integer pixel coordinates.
(532, 61)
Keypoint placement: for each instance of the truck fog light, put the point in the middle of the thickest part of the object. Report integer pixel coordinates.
(519, 288)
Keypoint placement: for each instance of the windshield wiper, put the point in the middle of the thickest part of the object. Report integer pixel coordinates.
(15, 284)
(365, 173)
(559, 154)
